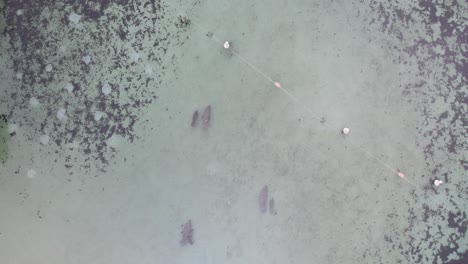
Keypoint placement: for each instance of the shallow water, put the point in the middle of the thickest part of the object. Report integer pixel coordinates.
(100, 163)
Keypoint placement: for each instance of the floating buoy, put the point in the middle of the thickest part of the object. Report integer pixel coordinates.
(345, 130)
(278, 85)
(401, 174)
(226, 44)
(438, 182)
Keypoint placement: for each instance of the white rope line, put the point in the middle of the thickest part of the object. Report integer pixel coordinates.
(296, 100)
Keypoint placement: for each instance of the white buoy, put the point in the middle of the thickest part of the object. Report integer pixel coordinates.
(345, 130)
(86, 59)
(226, 44)
(438, 182)
(31, 174)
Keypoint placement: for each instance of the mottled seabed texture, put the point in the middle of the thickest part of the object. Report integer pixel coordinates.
(102, 159)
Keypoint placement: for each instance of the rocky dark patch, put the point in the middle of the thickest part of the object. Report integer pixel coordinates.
(183, 22)
(32, 46)
(3, 139)
(440, 56)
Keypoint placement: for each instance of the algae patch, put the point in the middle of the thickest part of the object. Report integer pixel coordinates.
(4, 136)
